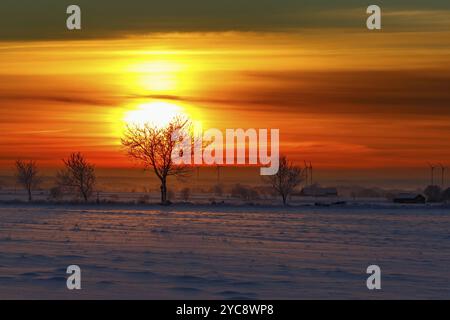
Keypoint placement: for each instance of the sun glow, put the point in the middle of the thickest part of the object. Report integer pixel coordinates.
(159, 75)
(158, 114)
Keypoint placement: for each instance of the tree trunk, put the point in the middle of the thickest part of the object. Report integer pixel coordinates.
(163, 192)
(29, 195)
(85, 196)
(284, 200)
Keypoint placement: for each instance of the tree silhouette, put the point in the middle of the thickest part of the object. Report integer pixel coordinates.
(153, 146)
(446, 195)
(27, 176)
(288, 177)
(78, 175)
(433, 193)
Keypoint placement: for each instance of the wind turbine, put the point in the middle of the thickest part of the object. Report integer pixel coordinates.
(432, 167)
(444, 169)
(442, 174)
(306, 172)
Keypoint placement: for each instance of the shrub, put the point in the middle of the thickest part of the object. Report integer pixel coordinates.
(185, 194)
(143, 199)
(114, 197)
(433, 193)
(56, 193)
(446, 195)
(244, 193)
(218, 190)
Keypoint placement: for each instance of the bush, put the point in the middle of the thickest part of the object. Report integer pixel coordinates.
(185, 194)
(143, 199)
(56, 193)
(433, 193)
(238, 191)
(218, 190)
(446, 195)
(244, 193)
(114, 197)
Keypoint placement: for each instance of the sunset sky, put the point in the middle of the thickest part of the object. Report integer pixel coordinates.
(341, 95)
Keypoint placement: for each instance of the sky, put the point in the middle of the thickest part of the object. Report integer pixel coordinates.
(341, 95)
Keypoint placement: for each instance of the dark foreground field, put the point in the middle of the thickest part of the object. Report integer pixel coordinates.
(189, 252)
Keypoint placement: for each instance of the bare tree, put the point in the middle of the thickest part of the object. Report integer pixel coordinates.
(153, 146)
(288, 177)
(78, 175)
(27, 176)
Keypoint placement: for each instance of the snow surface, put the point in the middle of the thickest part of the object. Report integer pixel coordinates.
(220, 252)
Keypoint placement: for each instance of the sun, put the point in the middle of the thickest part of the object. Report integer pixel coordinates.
(158, 113)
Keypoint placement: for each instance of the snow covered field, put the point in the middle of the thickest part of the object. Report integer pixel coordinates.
(214, 252)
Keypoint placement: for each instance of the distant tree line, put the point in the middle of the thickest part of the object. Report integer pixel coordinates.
(77, 178)
(153, 148)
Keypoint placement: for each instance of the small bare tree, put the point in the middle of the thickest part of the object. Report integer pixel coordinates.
(288, 177)
(78, 175)
(153, 146)
(27, 176)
